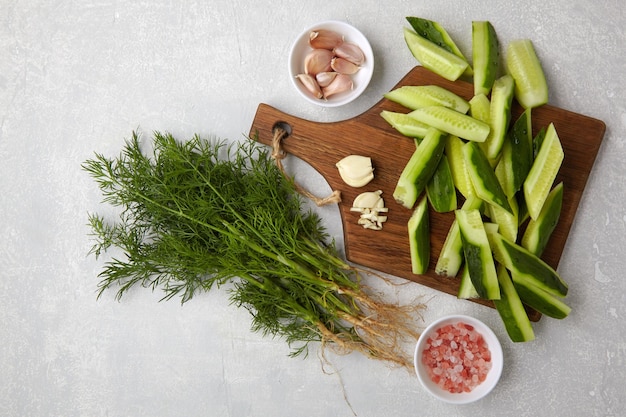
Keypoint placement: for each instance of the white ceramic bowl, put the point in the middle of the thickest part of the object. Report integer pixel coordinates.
(361, 79)
(483, 388)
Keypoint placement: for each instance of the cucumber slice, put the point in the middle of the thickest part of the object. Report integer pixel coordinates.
(420, 168)
(466, 288)
(440, 189)
(416, 96)
(543, 172)
(499, 116)
(435, 33)
(531, 88)
(508, 222)
(419, 238)
(452, 122)
(477, 252)
(517, 155)
(540, 300)
(451, 255)
(458, 167)
(511, 310)
(479, 107)
(434, 57)
(405, 124)
(538, 232)
(485, 55)
(483, 177)
(523, 263)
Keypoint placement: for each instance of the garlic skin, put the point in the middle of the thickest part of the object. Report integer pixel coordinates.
(309, 82)
(325, 39)
(318, 60)
(370, 205)
(350, 52)
(356, 170)
(325, 78)
(340, 84)
(343, 66)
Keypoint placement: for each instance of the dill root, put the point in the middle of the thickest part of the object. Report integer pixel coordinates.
(200, 213)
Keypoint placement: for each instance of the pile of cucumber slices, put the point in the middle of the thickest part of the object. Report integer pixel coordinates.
(506, 177)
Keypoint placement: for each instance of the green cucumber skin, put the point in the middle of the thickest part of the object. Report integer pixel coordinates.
(540, 300)
(517, 153)
(483, 177)
(419, 238)
(486, 56)
(545, 224)
(511, 310)
(466, 288)
(478, 257)
(521, 261)
(420, 168)
(538, 140)
(440, 189)
(499, 115)
(434, 33)
(451, 255)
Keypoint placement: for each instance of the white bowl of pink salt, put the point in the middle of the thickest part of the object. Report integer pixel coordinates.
(458, 359)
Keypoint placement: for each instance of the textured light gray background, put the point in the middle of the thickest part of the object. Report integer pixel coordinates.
(79, 76)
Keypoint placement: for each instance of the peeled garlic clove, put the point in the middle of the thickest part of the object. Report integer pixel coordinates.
(318, 60)
(341, 83)
(368, 200)
(350, 52)
(343, 66)
(325, 78)
(309, 82)
(356, 170)
(325, 39)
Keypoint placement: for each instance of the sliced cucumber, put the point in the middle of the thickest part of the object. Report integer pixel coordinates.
(540, 300)
(477, 252)
(466, 288)
(538, 140)
(458, 167)
(531, 88)
(435, 33)
(486, 56)
(499, 116)
(440, 189)
(511, 310)
(483, 177)
(434, 57)
(452, 122)
(538, 232)
(517, 155)
(521, 262)
(405, 124)
(479, 107)
(420, 168)
(416, 96)
(419, 237)
(507, 221)
(451, 255)
(543, 172)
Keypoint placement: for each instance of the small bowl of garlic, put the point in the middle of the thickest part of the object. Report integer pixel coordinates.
(331, 63)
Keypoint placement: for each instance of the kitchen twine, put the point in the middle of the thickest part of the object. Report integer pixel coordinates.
(279, 154)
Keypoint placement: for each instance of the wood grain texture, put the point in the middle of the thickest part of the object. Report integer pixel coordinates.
(323, 144)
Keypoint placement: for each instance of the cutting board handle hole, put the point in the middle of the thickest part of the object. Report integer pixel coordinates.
(286, 127)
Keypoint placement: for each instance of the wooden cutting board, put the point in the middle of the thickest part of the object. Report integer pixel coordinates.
(323, 144)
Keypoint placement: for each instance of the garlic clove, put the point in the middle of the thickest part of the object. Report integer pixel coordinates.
(325, 78)
(318, 60)
(368, 200)
(356, 170)
(309, 82)
(325, 39)
(350, 52)
(343, 66)
(340, 84)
